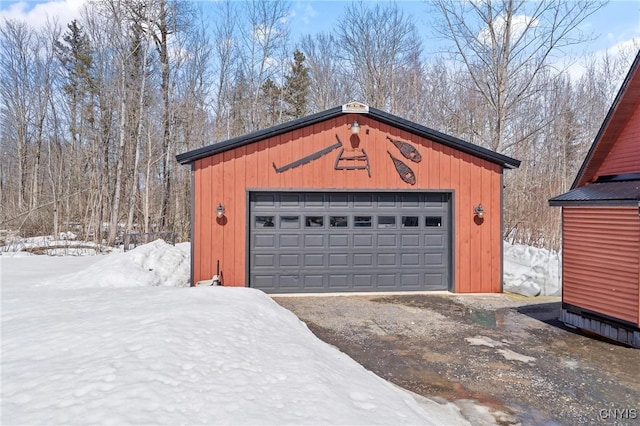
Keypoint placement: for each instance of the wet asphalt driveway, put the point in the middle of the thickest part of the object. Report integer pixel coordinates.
(508, 353)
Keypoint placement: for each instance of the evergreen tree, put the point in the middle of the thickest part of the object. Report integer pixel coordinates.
(296, 87)
(271, 94)
(75, 55)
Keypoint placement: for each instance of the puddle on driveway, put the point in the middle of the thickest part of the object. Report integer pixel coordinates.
(484, 318)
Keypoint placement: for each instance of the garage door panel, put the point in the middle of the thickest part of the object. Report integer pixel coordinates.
(313, 282)
(410, 279)
(264, 241)
(362, 281)
(363, 240)
(314, 200)
(362, 259)
(387, 259)
(264, 200)
(290, 200)
(289, 241)
(410, 240)
(387, 240)
(431, 259)
(437, 240)
(265, 282)
(314, 259)
(434, 280)
(410, 200)
(319, 242)
(338, 240)
(387, 281)
(264, 260)
(289, 259)
(338, 281)
(410, 259)
(314, 241)
(289, 282)
(363, 200)
(338, 200)
(338, 259)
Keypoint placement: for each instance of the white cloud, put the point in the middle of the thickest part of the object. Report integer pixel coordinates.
(37, 15)
(519, 25)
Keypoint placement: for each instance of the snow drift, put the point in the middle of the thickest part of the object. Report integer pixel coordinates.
(119, 342)
(153, 264)
(531, 271)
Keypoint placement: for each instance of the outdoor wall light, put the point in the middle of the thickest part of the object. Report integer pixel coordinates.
(479, 211)
(355, 127)
(220, 210)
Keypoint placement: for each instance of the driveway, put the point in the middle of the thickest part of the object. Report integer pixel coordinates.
(508, 353)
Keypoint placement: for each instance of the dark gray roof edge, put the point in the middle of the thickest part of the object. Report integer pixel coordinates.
(381, 116)
(196, 154)
(608, 118)
(577, 203)
(445, 139)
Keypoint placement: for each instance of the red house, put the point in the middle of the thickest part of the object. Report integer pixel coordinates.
(601, 226)
(348, 199)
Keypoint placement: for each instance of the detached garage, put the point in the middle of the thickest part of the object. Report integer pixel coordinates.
(349, 199)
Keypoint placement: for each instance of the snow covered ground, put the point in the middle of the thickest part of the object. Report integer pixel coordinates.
(118, 339)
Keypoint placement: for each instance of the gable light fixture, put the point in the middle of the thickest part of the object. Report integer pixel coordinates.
(355, 127)
(479, 211)
(220, 210)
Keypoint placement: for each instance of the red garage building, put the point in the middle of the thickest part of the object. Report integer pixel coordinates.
(348, 199)
(601, 226)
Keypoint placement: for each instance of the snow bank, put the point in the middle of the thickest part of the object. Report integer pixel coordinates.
(73, 353)
(153, 264)
(531, 271)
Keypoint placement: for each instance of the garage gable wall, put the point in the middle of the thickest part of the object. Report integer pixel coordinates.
(228, 176)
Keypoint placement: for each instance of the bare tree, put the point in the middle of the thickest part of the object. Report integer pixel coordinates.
(505, 45)
(328, 87)
(264, 37)
(379, 46)
(16, 57)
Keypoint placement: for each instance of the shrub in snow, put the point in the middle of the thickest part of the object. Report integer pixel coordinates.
(531, 271)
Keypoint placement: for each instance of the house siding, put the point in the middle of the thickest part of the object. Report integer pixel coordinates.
(601, 258)
(624, 156)
(226, 177)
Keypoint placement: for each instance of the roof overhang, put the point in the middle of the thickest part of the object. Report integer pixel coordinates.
(375, 114)
(626, 193)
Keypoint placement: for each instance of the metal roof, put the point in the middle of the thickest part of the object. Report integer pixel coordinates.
(383, 117)
(601, 193)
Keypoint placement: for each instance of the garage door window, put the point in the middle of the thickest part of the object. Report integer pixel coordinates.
(289, 222)
(409, 221)
(362, 221)
(386, 221)
(338, 221)
(264, 222)
(433, 221)
(314, 221)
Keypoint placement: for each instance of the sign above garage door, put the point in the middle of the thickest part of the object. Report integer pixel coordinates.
(318, 242)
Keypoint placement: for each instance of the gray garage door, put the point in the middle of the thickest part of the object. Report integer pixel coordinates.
(338, 242)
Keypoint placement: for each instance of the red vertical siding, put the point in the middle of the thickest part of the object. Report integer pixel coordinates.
(227, 176)
(601, 255)
(624, 156)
